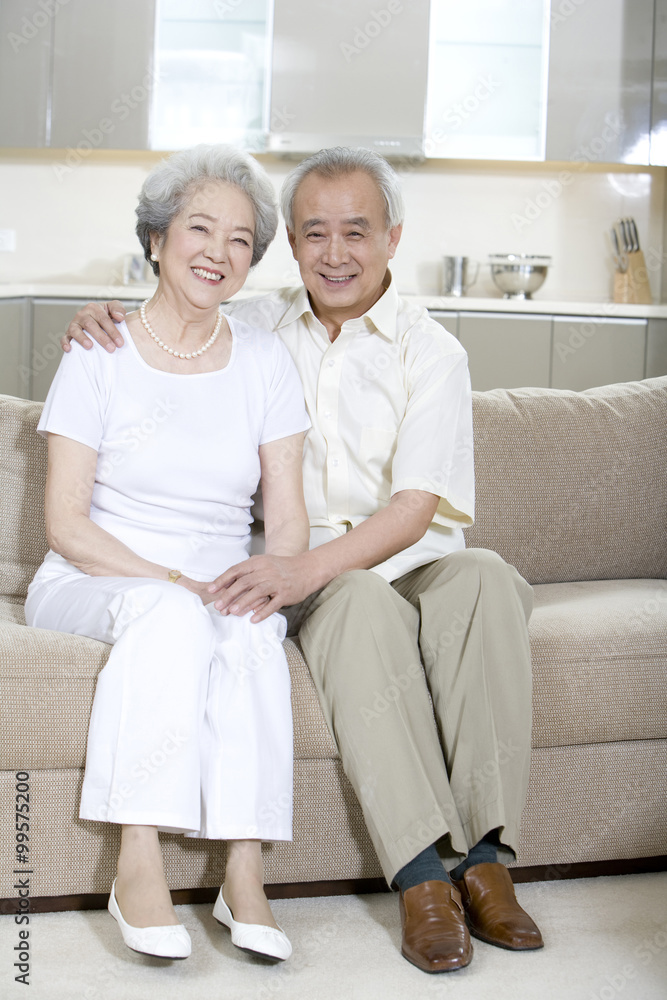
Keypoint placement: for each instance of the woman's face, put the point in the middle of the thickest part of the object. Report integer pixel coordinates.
(206, 254)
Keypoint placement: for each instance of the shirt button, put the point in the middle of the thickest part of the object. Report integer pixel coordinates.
(331, 363)
(334, 461)
(327, 414)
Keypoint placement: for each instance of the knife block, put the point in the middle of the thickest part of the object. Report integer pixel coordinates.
(631, 286)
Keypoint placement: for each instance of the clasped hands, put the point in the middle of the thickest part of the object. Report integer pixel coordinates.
(263, 584)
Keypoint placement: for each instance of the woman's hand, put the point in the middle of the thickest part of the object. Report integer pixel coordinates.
(196, 587)
(96, 319)
(263, 584)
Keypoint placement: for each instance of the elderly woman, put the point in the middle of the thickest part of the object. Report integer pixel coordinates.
(153, 461)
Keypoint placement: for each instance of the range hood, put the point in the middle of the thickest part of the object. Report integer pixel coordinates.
(349, 73)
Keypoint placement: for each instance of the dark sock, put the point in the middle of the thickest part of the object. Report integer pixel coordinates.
(426, 867)
(485, 850)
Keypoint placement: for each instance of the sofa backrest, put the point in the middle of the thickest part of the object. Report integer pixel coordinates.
(22, 477)
(573, 485)
(570, 485)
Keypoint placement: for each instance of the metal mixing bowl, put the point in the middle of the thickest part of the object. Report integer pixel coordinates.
(518, 275)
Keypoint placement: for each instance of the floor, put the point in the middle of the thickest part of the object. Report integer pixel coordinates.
(606, 938)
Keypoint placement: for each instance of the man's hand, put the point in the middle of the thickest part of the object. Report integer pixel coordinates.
(262, 584)
(96, 318)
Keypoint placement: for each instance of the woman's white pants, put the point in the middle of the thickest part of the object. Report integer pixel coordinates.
(191, 727)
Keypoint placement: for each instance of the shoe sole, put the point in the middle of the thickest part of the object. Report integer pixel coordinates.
(499, 944)
(150, 954)
(436, 972)
(272, 959)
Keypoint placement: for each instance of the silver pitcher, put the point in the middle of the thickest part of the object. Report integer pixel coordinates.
(455, 280)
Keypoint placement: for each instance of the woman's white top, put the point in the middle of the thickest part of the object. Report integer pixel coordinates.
(178, 455)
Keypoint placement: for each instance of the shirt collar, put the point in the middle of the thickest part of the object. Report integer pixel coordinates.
(381, 317)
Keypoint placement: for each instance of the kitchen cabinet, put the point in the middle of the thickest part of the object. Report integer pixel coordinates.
(14, 347)
(349, 73)
(516, 350)
(486, 95)
(102, 74)
(507, 350)
(79, 78)
(656, 348)
(600, 77)
(212, 73)
(659, 96)
(522, 80)
(26, 37)
(590, 351)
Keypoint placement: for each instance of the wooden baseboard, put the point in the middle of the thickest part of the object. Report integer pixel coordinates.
(347, 887)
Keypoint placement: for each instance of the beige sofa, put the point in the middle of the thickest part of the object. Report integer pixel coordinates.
(571, 489)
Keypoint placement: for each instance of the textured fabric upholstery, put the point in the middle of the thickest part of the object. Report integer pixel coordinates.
(573, 485)
(599, 662)
(22, 476)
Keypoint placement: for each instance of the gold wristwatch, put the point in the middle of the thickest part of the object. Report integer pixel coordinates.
(174, 575)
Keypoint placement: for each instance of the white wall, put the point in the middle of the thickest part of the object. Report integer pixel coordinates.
(75, 220)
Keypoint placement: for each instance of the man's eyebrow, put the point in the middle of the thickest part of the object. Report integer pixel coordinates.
(360, 221)
(212, 218)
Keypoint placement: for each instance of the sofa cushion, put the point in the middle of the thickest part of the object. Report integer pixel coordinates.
(599, 654)
(47, 676)
(573, 485)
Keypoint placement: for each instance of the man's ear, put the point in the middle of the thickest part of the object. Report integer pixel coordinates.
(292, 242)
(394, 237)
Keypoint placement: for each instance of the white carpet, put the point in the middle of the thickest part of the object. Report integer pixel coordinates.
(606, 938)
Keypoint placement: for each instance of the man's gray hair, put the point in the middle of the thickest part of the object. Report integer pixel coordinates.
(338, 161)
(174, 179)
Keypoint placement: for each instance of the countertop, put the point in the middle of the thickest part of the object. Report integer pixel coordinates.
(466, 303)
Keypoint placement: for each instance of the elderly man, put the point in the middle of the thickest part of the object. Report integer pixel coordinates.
(418, 646)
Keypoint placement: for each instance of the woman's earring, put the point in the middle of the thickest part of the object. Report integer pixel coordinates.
(154, 256)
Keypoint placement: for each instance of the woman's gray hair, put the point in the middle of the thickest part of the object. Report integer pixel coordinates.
(338, 161)
(174, 179)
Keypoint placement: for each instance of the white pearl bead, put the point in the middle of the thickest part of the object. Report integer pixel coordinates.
(185, 357)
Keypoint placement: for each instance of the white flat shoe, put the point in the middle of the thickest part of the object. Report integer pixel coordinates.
(171, 941)
(254, 938)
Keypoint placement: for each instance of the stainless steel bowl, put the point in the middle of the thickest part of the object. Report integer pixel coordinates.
(518, 275)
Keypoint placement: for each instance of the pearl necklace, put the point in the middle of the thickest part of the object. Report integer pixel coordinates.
(170, 350)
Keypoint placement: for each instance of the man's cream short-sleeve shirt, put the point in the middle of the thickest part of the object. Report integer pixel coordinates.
(390, 405)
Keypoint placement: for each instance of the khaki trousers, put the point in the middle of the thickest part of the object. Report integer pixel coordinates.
(426, 687)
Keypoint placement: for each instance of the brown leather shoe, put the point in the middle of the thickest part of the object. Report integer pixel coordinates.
(435, 936)
(492, 910)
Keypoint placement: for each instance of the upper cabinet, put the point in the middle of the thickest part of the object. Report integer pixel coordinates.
(487, 79)
(482, 79)
(212, 61)
(102, 74)
(600, 73)
(349, 72)
(25, 74)
(659, 101)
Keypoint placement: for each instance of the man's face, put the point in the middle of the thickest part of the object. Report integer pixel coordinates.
(342, 243)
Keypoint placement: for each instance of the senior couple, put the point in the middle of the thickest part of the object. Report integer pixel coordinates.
(149, 551)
